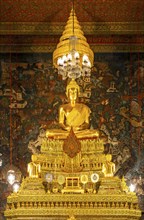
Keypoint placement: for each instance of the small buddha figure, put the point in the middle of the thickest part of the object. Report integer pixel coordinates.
(108, 167)
(71, 217)
(33, 168)
(124, 185)
(73, 115)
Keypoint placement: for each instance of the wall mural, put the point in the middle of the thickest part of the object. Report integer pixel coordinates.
(32, 89)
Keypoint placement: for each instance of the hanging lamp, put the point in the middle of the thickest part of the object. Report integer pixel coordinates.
(16, 186)
(11, 177)
(73, 57)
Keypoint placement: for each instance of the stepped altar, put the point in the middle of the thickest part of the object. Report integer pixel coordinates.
(71, 178)
(64, 187)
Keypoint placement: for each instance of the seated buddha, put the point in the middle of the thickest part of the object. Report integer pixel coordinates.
(108, 167)
(33, 168)
(73, 115)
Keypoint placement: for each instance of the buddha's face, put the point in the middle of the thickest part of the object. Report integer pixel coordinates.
(109, 157)
(33, 158)
(73, 94)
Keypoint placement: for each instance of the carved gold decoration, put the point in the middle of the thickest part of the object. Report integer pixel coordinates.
(112, 199)
(118, 48)
(72, 185)
(56, 28)
(81, 205)
(114, 48)
(84, 179)
(71, 145)
(63, 47)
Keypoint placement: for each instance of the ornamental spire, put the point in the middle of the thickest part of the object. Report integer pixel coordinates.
(79, 42)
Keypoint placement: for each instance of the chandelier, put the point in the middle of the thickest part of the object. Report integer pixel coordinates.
(73, 57)
(73, 65)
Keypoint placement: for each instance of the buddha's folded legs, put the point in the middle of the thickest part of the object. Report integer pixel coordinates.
(62, 134)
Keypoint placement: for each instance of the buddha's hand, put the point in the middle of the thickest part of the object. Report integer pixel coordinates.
(82, 127)
(67, 128)
(76, 128)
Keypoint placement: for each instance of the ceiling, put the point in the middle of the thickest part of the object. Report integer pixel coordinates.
(36, 25)
(58, 10)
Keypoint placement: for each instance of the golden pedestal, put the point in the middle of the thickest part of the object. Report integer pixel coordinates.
(55, 200)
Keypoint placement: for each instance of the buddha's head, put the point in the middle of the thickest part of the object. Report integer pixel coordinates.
(34, 158)
(72, 90)
(109, 157)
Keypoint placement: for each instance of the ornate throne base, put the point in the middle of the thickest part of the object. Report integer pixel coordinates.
(41, 200)
(36, 202)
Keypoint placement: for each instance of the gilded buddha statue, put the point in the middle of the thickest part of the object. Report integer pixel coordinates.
(33, 168)
(108, 167)
(73, 115)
